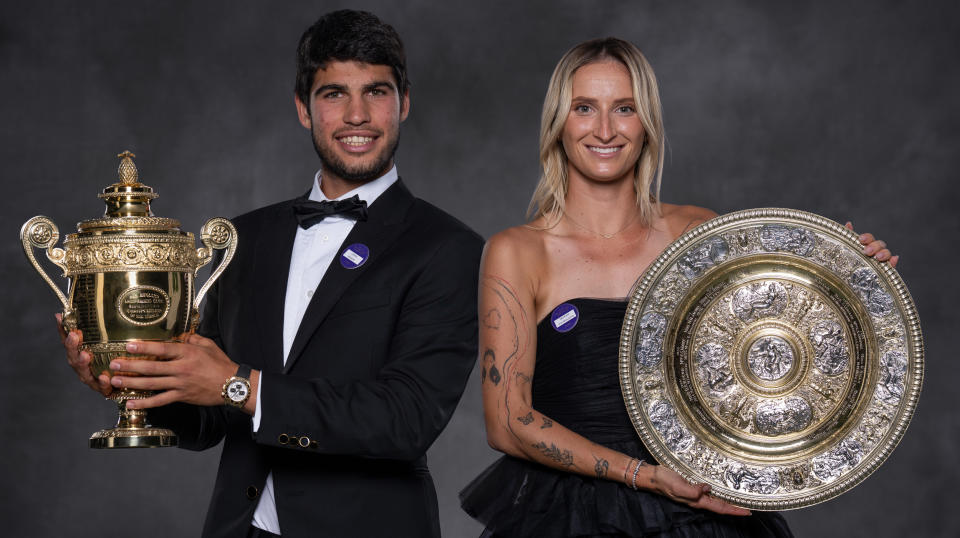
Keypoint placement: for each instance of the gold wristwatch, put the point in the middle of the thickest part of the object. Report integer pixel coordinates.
(236, 390)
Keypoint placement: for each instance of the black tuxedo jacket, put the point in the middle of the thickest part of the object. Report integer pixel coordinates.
(375, 372)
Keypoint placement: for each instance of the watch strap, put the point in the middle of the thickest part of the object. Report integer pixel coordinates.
(243, 371)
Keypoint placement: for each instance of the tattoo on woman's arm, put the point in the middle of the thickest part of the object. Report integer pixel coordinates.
(507, 314)
(601, 467)
(492, 319)
(562, 456)
(526, 419)
(547, 423)
(489, 365)
(494, 375)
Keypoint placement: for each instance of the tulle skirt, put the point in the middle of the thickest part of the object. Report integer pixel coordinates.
(516, 498)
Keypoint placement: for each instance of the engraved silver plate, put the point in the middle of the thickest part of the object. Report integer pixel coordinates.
(764, 354)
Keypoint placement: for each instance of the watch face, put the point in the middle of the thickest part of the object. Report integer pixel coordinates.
(237, 391)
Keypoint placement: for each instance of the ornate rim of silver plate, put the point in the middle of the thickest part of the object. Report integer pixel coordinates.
(772, 478)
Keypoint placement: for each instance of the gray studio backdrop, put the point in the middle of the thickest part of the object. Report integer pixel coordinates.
(848, 111)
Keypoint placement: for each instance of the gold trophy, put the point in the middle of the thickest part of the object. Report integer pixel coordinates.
(131, 277)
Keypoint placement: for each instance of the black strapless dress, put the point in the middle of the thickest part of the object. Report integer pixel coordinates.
(576, 383)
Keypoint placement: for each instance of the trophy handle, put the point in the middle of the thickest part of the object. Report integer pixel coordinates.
(41, 232)
(217, 234)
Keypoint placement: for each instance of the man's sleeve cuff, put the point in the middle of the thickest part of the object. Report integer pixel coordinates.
(256, 414)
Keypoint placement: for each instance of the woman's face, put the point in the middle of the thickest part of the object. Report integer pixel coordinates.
(603, 136)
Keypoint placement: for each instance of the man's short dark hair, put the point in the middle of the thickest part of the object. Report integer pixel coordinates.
(348, 35)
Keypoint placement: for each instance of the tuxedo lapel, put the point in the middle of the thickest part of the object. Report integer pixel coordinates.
(377, 233)
(274, 247)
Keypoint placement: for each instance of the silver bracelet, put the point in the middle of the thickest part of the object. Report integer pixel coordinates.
(626, 470)
(636, 471)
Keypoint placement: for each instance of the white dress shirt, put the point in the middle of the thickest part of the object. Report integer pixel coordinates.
(313, 251)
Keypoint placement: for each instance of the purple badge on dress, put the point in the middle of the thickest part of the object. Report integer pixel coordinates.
(354, 256)
(564, 317)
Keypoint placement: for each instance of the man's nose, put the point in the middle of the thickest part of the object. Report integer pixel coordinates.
(356, 112)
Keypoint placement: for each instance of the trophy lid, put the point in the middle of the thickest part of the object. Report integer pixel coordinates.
(128, 203)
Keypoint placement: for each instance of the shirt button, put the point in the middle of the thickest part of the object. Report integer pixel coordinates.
(326, 237)
(309, 293)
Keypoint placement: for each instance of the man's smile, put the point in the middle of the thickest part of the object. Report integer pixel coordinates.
(355, 142)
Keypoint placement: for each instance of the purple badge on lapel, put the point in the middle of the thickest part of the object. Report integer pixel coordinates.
(354, 256)
(564, 317)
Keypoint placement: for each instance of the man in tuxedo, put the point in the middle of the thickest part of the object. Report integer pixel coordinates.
(338, 341)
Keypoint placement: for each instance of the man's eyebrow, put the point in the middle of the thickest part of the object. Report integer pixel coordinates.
(329, 87)
(380, 84)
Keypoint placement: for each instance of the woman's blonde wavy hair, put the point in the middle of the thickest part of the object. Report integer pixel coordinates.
(548, 197)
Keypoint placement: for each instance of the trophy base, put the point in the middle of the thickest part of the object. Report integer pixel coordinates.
(132, 429)
(133, 438)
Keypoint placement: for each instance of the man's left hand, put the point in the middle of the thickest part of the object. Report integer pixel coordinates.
(191, 372)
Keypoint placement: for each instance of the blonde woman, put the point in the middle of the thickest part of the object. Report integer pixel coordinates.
(552, 298)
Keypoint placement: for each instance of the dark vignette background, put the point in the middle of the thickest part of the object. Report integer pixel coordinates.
(848, 111)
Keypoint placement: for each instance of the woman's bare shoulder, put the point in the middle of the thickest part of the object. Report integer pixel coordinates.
(514, 258)
(681, 218)
(526, 238)
(523, 233)
(519, 245)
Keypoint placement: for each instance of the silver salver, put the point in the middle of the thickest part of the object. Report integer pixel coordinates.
(764, 354)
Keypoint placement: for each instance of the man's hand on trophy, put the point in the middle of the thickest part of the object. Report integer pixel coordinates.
(192, 372)
(80, 360)
(875, 248)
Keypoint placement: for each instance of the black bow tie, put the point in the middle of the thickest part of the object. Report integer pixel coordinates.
(309, 212)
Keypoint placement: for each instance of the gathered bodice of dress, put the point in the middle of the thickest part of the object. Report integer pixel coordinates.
(576, 379)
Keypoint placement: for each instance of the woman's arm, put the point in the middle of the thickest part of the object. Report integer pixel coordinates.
(507, 316)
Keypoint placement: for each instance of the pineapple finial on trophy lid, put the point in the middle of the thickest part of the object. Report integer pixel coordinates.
(127, 171)
(128, 197)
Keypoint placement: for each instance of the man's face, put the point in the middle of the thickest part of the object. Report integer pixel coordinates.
(354, 115)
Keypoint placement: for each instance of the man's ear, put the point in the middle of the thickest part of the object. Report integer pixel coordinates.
(303, 112)
(405, 105)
